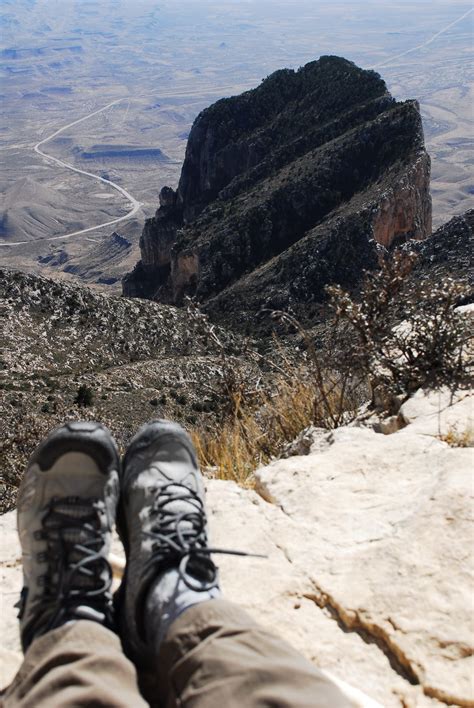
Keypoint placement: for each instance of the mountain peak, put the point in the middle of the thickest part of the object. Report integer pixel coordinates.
(286, 188)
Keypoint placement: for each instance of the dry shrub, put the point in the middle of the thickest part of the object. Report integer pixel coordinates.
(459, 438)
(398, 335)
(262, 424)
(403, 334)
(260, 417)
(256, 432)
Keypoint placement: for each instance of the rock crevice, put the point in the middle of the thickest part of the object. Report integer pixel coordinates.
(351, 621)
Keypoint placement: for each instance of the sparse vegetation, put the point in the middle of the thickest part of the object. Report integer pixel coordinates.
(258, 430)
(397, 336)
(403, 334)
(246, 400)
(260, 418)
(459, 438)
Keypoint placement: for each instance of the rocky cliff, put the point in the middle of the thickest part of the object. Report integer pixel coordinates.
(286, 188)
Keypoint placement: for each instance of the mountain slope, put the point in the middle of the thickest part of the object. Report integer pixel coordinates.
(137, 359)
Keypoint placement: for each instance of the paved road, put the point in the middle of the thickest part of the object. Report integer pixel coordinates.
(134, 203)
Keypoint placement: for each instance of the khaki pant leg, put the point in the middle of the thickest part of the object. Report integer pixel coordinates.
(216, 656)
(79, 664)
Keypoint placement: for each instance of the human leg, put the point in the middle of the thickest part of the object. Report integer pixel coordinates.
(66, 510)
(205, 651)
(80, 664)
(215, 655)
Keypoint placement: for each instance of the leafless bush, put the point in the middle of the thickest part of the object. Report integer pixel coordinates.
(402, 334)
(336, 392)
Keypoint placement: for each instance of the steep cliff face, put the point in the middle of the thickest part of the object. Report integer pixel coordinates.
(286, 188)
(404, 212)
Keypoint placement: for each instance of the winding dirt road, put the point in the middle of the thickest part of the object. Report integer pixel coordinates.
(134, 203)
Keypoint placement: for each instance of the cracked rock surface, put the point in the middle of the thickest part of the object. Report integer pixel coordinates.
(369, 564)
(383, 535)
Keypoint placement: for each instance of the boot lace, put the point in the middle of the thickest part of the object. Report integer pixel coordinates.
(78, 573)
(180, 537)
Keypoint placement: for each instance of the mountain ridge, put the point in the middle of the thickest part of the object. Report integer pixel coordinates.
(265, 169)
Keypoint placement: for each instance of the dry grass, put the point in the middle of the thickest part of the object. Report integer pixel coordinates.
(259, 420)
(459, 438)
(262, 425)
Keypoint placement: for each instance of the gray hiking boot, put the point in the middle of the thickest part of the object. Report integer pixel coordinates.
(162, 524)
(66, 510)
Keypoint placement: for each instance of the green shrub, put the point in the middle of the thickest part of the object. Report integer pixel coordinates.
(84, 397)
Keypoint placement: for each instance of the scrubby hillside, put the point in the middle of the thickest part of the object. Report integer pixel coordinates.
(68, 352)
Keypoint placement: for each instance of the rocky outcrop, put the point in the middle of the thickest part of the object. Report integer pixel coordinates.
(389, 518)
(154, 267)
(298, 182)
(404, 212)
(368, 567)
(449, 252)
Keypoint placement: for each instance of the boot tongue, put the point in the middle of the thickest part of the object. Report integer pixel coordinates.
(183, 514)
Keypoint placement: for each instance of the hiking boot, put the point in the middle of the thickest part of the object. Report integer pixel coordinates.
(66, 509)
(162, 524)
